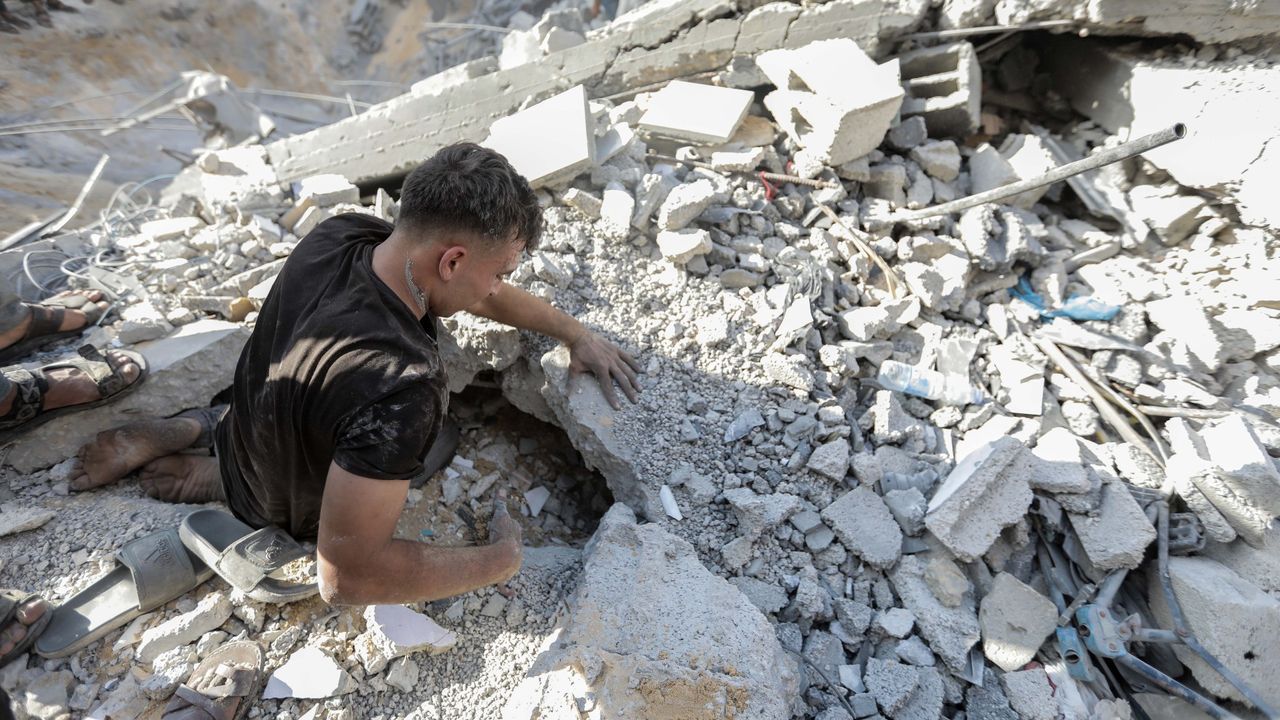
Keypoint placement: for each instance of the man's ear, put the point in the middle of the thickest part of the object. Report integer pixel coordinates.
(451, 261)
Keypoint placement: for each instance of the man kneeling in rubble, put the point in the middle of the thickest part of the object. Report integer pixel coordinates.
(340, 392)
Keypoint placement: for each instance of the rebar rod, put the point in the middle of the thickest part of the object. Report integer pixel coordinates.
(1177, 131)
(988, 30)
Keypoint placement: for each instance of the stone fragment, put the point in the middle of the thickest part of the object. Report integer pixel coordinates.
(891, 683)
(865, 527)
(895, 622)
(913, 651)
(758, 514)
(327, 190)
(979, 499)
(908, 508)
(674, 634)
(684, 203)
(789, 370)
(403, 674)
(768, 597)
(1186, 320)
(46, 697)
(681, 246)
(1234, 619)
(926, 701)
(1118, 535)
(696, 112)
(210, 613)
(988, 701)
(938, 158)
(168, 671)
(616, 211)
(1233, 446)
(18, 517)
(825, 651)
(908, 134)
(988, 169)
(1174, 217)
(1258, 565)
(393, 631)
(1030, 694)
(308, 674)
(947, 582)
(536, 498)
(1056, 464)
(820, 110)
(582, 201)
(951, 631)
(831, 460)
(1015, 620)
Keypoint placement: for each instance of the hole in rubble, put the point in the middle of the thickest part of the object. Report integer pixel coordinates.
(503, 448)
(1249, 655)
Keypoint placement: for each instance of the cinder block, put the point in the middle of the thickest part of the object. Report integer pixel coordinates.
(943, 84)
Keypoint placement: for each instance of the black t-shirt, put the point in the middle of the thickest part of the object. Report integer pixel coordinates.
(338, 369)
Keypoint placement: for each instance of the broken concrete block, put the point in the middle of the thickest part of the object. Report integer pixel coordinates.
(926, 701)
(950, 630)
(210, 613)
(1056, 464)
(865, 527)
(1235, 621)
(584, 202)
(1023, 381)
(1260, 566)
(327, 190)
(186, 370)
(1015, 620)
(1029, 157)
(895, 622)
(684, 203)
(828, 116)
(979, 499)
(988, 169)
(311, 674)
(681, 246)
(393, 631)
(939, 158)
(695, 112)
(1030, 694)
(944, 84)
(17, 517)
(789, 370)
(565, 138)
(908, 507)
(646, 602)
(908, 134)
(760, 513)
(891, 683)
(170, 228)
(767, 596)
(1186, 319)
(616, 212)
(1234, 447)
(1116, 536)
(1173, 217)
(831, 460)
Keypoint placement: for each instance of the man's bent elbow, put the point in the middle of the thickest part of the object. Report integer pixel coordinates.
(338, 587)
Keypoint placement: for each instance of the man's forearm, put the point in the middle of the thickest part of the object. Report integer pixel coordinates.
(513, 306)
(405, 571)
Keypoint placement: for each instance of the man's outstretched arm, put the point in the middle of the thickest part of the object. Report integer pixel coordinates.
(588, 352)
(360, 563)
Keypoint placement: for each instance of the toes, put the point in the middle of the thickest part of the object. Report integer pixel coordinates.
(32, 610)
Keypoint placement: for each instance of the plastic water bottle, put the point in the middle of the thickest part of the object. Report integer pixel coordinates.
(928, 384)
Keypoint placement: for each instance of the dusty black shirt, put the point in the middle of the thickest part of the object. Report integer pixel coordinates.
(337, 370)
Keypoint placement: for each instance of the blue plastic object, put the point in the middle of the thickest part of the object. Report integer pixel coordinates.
(1076, 307)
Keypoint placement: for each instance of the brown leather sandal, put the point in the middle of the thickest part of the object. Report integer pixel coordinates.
(46, 318)
(222, 686)
(27, 411)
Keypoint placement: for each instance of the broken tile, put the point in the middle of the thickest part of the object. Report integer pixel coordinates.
(696, 112)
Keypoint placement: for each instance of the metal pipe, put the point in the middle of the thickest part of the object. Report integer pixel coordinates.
(84, 193)
(1111, 155)
(1175, 688)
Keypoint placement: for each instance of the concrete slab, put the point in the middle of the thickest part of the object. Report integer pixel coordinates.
(549, 142)
(1233, 447)
(1118, 535)
(186, 369)
(1015, 620)
(865, 527)
(696, 112)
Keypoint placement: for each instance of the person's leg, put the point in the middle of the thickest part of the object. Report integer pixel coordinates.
(26, 616)
(9, 22)
(42, 13)
(16, 316)
(12, 311)
(68, 386)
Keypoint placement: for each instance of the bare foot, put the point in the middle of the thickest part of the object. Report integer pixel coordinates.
(27, 615)
(71, 319)
(183, 479)
(116, 453)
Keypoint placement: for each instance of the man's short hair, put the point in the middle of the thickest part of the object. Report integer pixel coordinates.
(465, 187)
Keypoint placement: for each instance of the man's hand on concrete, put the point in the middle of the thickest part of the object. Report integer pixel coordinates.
(505, 532)
(609, 363)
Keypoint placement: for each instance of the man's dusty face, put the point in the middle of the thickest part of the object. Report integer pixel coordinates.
(475, 275)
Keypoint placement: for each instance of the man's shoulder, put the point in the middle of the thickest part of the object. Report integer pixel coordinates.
(346, 228)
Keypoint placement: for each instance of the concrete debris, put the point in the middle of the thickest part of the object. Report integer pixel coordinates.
(891, 683)
(1231, 617)
(834, 120)
(210, 613)
(950, 630)
(944, 85)
(1118, 535)
(394, 631)
(565, 140)
(14, 518)
(1015, 620)
(865, 526)
(681, 246)
(308, 673)
(979, 499)
(696, 113)
(1030, 694)
(684, 203)
(327, 190)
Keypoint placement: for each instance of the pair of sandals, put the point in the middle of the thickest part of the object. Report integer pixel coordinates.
(27, 411)
(161, 567)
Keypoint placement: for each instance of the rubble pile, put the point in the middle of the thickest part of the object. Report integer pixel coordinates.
(881, 467)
